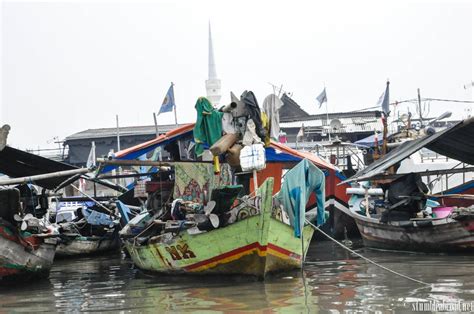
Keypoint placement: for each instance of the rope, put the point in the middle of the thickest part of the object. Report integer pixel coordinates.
(365, 258)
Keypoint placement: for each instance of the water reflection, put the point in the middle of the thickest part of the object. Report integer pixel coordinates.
(333, 281)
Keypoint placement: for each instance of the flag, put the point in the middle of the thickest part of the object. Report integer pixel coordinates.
(91, 161)
(82, 184)
(168, 103)
(384, 100)
(300, 132)
(322, 98)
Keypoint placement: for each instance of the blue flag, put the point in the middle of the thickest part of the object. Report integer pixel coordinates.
(168, 103)
(322, 98)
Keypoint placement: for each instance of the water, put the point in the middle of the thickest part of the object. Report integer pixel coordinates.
(333, 281)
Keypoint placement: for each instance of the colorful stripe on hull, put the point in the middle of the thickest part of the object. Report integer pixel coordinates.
(261, 250)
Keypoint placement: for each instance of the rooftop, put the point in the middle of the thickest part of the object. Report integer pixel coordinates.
(124, 131)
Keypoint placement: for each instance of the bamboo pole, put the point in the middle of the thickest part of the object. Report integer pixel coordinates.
(43, 176)
(461, 196)
(119, 162)
(92, 199)
(156, 125)
(422, 173)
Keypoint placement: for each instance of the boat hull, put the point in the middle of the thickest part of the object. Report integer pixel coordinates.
(446, 236)
(237, 249)
(31, 257)
(426, 235)
(87, 246)
(256, 246)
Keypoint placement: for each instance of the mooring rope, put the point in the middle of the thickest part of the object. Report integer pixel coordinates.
(365, 258)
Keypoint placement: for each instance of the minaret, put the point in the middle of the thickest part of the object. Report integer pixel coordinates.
(213, 84)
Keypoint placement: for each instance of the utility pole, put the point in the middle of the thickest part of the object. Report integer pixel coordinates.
(118, 133)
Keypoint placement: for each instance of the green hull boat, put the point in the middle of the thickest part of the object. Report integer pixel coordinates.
(257, 246)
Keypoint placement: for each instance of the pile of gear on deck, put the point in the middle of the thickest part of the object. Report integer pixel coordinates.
(22, 212)
(97, 220)
(208, 185)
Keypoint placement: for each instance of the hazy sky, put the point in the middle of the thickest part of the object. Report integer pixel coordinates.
(70, 66)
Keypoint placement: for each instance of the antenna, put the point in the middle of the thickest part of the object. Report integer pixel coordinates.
(280, 89)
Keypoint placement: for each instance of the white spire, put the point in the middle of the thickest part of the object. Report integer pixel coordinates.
(212, 62)
(213, 84)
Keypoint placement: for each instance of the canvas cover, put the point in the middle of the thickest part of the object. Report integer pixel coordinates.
(16, 163)
(194, 181)
(277, 152)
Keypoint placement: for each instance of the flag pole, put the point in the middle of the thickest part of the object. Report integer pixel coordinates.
(384, 121)
(118, 132)
(327, 115)
(174, 106)
(156, 125)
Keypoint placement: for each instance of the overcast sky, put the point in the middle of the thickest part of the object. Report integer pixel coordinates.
(71, 66)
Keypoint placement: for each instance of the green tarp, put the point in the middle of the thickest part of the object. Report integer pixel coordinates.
(208, 128)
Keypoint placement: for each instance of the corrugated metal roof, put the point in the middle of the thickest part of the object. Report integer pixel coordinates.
(349, 123)
(291, 111)
(124, 131)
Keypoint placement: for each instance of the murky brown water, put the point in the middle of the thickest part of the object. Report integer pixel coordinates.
(333, 281)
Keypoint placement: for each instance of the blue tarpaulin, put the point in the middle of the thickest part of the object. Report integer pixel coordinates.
(369, 141)
(276, 152)
(273, 155)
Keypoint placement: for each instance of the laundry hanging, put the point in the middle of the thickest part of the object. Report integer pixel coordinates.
(299, 183)
(253, 110)
(208, 128)
(271, 106)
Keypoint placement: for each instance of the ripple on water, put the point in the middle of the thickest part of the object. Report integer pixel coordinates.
(333, 281)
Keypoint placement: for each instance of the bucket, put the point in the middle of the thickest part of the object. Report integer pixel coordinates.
(442, 212)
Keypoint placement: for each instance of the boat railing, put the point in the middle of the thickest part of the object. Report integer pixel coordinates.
(430, 156)
(445, 179)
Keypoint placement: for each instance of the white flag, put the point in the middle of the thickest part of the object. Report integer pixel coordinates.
(300, 132)
(91, 161)
(384, 100)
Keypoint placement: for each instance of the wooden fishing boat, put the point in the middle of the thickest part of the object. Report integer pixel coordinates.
(257, 245)
(454, 233)
(23, 254)
(92, 232)
(81, 245)
(400, 216)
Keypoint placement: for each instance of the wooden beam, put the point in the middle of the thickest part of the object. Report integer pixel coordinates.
(130, 175)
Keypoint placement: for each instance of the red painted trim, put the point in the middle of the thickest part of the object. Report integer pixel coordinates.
(243, 249)
(7, 236)
(5, 271)
(283, 251)
(225, 255)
